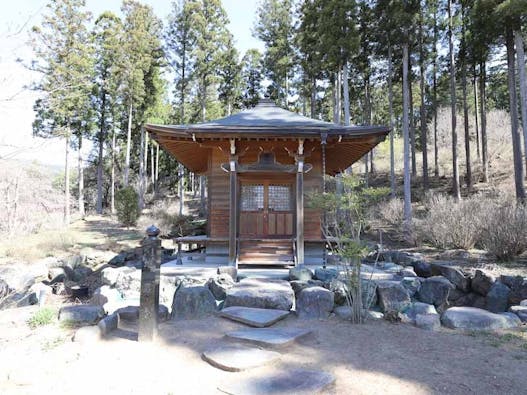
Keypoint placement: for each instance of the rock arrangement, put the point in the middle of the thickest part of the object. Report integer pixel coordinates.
(426, 294)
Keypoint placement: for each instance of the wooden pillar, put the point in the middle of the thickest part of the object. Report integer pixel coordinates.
(233, 204)
(300, 203)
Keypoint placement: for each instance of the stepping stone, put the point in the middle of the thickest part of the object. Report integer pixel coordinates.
(235, 358)
(259, 318)
(269, 337)
(290, 382)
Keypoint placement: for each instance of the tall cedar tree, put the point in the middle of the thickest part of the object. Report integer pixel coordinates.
(107, 83)
(64, 58)
(251, 77)
(210, 24)
(142, 45)
(274, 26)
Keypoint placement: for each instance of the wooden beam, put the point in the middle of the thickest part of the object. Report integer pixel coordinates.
(300, 203)
(233, 203)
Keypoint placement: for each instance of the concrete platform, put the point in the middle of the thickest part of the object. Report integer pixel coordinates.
(235, 358)
(258, 318)
(269, 337)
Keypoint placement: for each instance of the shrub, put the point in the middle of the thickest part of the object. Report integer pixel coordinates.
(127, 206)
(44, 316)
(451, 224)
(391, 211)
(504, 233)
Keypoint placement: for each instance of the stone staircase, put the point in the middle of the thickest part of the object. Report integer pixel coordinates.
(261, 344)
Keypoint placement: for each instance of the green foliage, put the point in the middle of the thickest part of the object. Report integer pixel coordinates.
(127, 206)
(274, 26)
(41, 317)
(251, 77)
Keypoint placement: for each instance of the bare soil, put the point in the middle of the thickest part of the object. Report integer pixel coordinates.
(373, 358)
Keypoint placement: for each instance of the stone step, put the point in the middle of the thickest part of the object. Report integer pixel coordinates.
(294, 381)
(252, 316)
(269, 337)
(235, 358)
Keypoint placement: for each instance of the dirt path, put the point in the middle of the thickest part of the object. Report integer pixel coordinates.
(377, 357)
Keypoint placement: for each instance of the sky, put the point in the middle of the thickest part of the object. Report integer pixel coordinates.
(16, 102)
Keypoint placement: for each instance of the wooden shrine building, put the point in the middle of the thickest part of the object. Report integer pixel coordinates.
(260, 164)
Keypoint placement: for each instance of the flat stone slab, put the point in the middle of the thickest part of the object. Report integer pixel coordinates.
(297, 381)
(471, 318)
(261, 293)
(269, 337)
(259, 318)
(235, 358)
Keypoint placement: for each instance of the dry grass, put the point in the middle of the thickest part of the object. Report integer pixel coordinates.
(96, 232)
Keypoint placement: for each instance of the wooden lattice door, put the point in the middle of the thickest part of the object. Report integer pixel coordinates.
(266, 209)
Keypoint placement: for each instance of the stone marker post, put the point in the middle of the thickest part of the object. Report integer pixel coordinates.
(149, 299)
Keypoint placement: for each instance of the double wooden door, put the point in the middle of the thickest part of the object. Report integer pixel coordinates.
(266, 209)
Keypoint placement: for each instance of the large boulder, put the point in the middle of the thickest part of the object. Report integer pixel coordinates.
(230, 270)
(422, 268)
(128, 282)
(167, 289)
(482, 282)
(455, 276)
(418, 308)
(193, 301)
(518, 292)
(82, 314)
(474, 319)
(435, 290)
(498, 298)
(520, 311)
(298, 285)
(4, 289)
(369, 293)
(314, 303)
(219, 285)
(261, 293)
(471, 299)
(429, 322)
(300, 273)
(326, 274)
(412, 284)
(392, 296)
(109, 298)
(339, 289)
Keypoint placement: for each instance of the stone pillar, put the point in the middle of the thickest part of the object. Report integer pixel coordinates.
(149, 299)
(233, 204)
(299, 158)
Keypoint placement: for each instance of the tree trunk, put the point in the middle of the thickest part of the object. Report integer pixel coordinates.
(411, 119)
(513, 109)
(142, 161)
(345, 88)
(468, 164)
(80, 170)
(422, 110)
(67, 216)
(338, 104)
(455, 176)
(335, 99)
(406, 141)
(313, 97)
(152, 166)
(112, 187)
(98, 206)
(156, 183)
(476, 111)
(128, 147)
(392, 122)
(436, 150)
(145, 162)
(181, 191)
(483, 109)
(518, 40)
